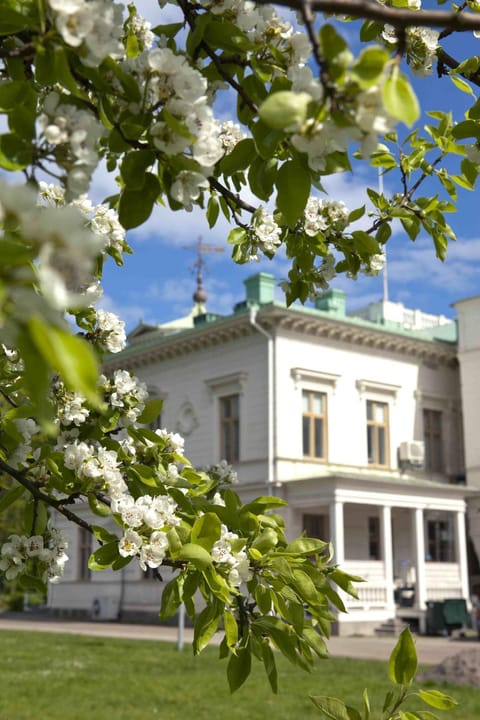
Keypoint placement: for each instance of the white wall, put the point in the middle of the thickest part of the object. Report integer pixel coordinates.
(395, 380)
(183, 379)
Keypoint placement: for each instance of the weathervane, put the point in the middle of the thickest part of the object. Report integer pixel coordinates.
(202, 249)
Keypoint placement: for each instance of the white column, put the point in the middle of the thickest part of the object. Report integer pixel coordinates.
(421, 586)
(337, 531)
(388, 555)
(461, 552)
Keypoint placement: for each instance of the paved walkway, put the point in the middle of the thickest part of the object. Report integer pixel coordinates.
(430, 650)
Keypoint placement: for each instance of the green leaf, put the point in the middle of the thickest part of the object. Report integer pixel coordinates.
(9, 497)
(402, 664)
(135, 206)
(261, 177)
(169, 30)
(52, 66)
(332, 708)
(70, 356)
(370, 30)
(266, 541)
(399, 98)
(270, 666)
(12, 21)
(206, 531)
(237, 236)
(365, 244)
(315, 641)
(170, 600)
(383, 233)
(152, 410)
(213, 209)
(206, 625)
(366, 705)
(238, 668)
(104, 556)
(466, 129)
(292, 174)
(437, 699)
(285, 109)
(30, 582)
(97, 507)
(411, 225)
(462, 84)
(266, 139)
(134, 166)
(281, 635)
(103, 535)
(227, 36)
(15, 153)
(306, 546)
(197, 555)
(239, 158)
(332, 44)
(11, 94)
(263, 599)
(370, 66)
(356, 214)
(231, 629)
(35, 517)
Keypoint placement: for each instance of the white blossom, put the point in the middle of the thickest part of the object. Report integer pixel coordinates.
(130, 543)
(187, 187)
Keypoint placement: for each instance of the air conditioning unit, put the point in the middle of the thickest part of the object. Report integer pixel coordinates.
(412, 452)
(105, 608)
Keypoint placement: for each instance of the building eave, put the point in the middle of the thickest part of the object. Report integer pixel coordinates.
(276, 318)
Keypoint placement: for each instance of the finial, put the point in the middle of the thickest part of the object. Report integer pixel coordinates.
(200, 296)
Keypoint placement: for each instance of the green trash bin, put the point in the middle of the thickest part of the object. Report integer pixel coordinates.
(455, 613)
(435, 618)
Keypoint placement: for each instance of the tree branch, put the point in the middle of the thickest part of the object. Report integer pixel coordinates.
(37, 494)
(398, 17)
(230, 196)
(444, 59)
(190, 17)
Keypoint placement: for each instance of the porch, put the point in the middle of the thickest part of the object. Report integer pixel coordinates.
(409, 551)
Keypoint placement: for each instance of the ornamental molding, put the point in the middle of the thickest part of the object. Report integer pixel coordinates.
(435, 401)
(217, 333)
(372, 387)
(233, 383)
(303, 377)
(187, 420)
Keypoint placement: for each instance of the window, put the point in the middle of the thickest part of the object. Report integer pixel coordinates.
(314, 424)
(377, 433)
(230, 428)
(315, 526)
(374, 538)
(84, 552)
(432, 435)
(440, 547)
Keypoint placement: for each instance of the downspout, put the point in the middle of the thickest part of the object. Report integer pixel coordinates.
(271, 479)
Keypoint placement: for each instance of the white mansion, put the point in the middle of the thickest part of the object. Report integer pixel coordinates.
(365, 423)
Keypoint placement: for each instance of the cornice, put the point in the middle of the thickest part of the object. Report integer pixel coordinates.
(181, 343)
(299, 321)
(367, 335)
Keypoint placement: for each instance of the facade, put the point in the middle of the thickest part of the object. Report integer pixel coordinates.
(356, 421)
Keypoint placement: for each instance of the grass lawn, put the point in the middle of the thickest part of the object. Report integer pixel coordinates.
(64, 677)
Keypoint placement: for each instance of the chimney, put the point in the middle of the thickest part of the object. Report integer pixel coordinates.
(331, 301)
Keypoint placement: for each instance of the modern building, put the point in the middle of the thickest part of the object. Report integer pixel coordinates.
(354, 419)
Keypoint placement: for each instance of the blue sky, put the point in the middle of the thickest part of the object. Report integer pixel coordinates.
(156, 283)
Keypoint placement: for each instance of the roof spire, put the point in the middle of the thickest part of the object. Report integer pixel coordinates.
(199, 266)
